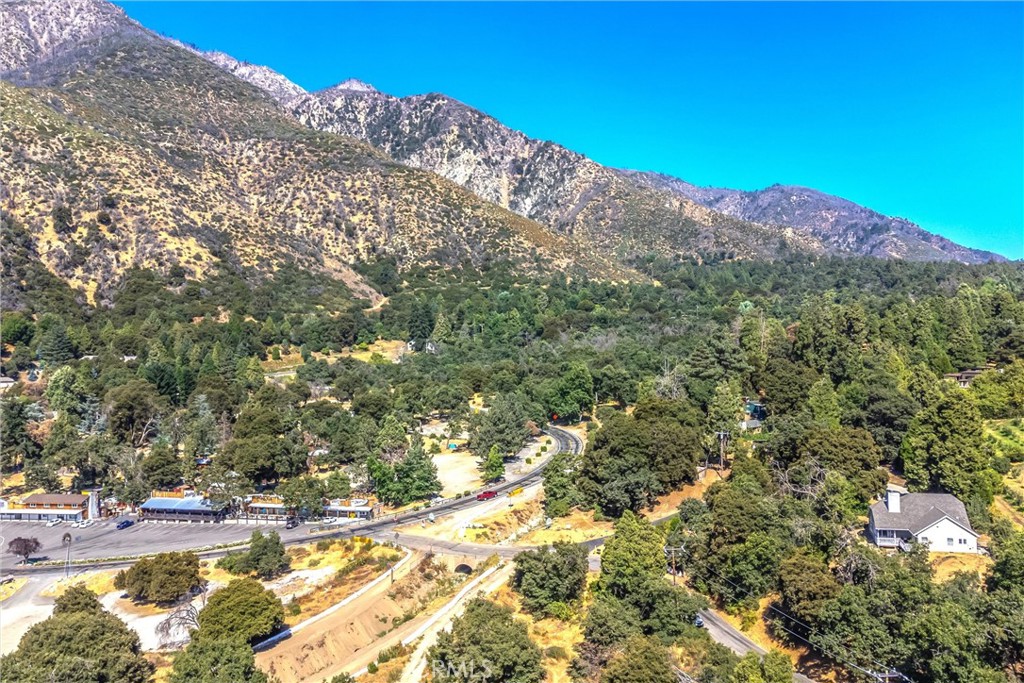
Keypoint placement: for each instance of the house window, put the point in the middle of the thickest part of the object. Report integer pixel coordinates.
(949, 541)
(963, 541)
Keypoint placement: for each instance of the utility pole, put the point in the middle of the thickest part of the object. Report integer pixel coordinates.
(671, 551)
(66, 541)
(723, 441)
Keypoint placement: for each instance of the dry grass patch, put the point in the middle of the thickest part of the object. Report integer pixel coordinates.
(11, 587)
(390, 350)
(502, 525)
(363, 564)
(1001, 506)
(288, 361)
(388, 672)
(99, 582)
(557, 639)
(13, 484)
(668, 504)
(164, 663)
(755, 627)
(576, 527)
(945, 565)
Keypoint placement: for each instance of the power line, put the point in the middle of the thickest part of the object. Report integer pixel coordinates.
(888, 672)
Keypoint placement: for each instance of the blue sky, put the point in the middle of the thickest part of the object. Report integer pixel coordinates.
(916, 110)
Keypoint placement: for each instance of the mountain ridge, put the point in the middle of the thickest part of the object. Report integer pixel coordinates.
(130, 151)
(439, 133)
(246, 168)
(816, 211)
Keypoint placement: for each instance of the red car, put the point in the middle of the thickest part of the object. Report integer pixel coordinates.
(486, 495)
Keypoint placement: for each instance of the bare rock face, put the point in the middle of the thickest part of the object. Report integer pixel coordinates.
(628, 211)
(539, 180)
(36, 30)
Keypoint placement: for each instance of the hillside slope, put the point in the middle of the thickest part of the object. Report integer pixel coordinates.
(542, 181)
(131, 151)
(630, 211)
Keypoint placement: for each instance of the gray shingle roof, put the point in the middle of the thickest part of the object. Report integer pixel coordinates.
(918, 511)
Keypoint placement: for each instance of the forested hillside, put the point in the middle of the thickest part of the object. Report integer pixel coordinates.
(847, 356)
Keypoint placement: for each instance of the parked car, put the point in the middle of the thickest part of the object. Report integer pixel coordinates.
(124, 524)
(53, 522)
(486, 495)
(85, 523)
(698, 621)
(291, 523)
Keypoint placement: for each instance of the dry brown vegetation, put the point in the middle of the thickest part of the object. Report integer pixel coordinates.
(148, 156)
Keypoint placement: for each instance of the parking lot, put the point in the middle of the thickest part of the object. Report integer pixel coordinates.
(103, 539)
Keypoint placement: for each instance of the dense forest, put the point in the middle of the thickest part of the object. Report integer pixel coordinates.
(846, 355)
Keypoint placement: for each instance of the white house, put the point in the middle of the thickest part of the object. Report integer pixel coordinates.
(937, 520)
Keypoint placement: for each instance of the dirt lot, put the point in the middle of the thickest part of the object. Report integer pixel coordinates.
(580, 525)
(458, 471)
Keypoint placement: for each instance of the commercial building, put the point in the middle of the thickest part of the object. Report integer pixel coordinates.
(43, 507)
(175, 507)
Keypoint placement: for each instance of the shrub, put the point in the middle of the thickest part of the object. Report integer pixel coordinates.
(560, 611)
(556, 652)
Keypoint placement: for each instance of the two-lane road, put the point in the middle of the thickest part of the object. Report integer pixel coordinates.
(721, 631)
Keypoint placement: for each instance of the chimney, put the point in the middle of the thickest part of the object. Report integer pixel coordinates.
(892, 500)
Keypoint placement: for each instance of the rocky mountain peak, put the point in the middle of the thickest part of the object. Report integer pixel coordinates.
(352, 85)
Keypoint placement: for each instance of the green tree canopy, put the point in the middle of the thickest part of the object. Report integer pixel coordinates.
(486, 642)
(548, 575)
(216, 661)
(163, 578)
(242, 611)
(80, 643)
